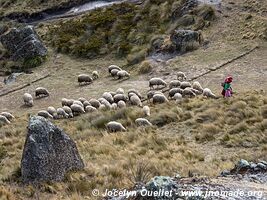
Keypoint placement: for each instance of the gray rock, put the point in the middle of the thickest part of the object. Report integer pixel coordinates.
(243, 164)
(23, 43)
(48, 153)
(161, 183)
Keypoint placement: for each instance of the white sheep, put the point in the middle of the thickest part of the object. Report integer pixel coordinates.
(120, 91)
(41, 92)
(173, 91)
(105, 102)
(114, 106)
(28, 100)
(150, 95)
(95, 75)
(185, 84)
(174, 84)
(188, 92)
(208, 93)
(159, 98)
(157, 82)
(66, 102)
(178, 97)
(45, 114)
(197, 86)
(115, 127)
(135, 100)
(119, 97)
(82, 99)
(197, 92)
(123, 74)
(68, 111)
(111, 67)
(181, 76)
(78, 103)
(61, 113)
(52, 111)
(142, 122)
(86, 103)
(90, 109)
(95, 103)
(135, 92)
(121, 104)
(8, 115)
(102, 107)
(113, 93)
(146, 111)
(4, 120)
(114, 72)
(108, 97)
(84, 78)
(77, 109)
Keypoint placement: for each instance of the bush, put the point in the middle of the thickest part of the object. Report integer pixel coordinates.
(32, 62)
(145, 67)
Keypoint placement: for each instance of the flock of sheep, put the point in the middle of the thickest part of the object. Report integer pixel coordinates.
(178, 90)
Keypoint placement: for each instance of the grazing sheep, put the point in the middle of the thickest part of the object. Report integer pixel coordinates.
(61, 113)
(95, 103)
(78, 103)
(115, 127)
(81, 99)
(150, 95)
(146, 111)
(173, 91)
(105, 102)
(67, 102)
(181, 76)
(86, 103)
(45, 114)
(157, 82)
(28, 100)
(208, 93)
(197, 86)
(178, 97)
(119, 97)
(134, 99)
(113, 93)
(197, 92)
(142, 122)
(84, 78)
(4, 120)
(122, 74)
(114, 72)
(111, 67)
(159, 98)
(188, 92)
(90, 109)
(114, 106)
(121, 104)
(68, 111)
(120, 91)
(135, 92)
(41, 92)
(95, 75)
(185, 84)
(102, 107)
(108, 97)
(77, 109)
(52, 111)
(8, 115)
(174, 84)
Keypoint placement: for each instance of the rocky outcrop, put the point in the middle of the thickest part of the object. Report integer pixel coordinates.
(48, 153)
(23, 44)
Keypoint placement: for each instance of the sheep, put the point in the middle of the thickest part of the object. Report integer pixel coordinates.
(52, 111)
(174, 84)
(113, 93)
(173, 91)
(90, 109)
(115, 127)
(159, 98)
(181, 76)
(120, 91)
(61, 113)
(150, 95)
(28, 100)
(178, 97)
(122, 74)
(77, 109)
(157, 82)
(114, 106)
(114, 72)
(185, 84)
(4, 120)
(197, 86)
(68, 111)
(188, 92)
(67, 102)
(41, 92)
(135, 92)
(95, 75)
(95, 103)
(8, 115)
(45, 114)
(108, 97)
(105, 102)
(84, 78)
(78, 103)
(142, 122)
(81, 99)
(86, 103)
(111, 67)
(134, 99)
(208, 93)
(119, 97)
(121, 104)
(102, 107)
(146, 111)
(197, 92)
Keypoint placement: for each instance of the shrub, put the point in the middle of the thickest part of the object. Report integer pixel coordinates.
(145, 67)
(32, 62)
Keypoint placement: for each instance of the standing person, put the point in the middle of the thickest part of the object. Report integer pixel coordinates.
(227, 89)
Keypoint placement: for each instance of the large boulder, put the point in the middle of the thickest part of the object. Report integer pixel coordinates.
(23, 44)
(49, 153)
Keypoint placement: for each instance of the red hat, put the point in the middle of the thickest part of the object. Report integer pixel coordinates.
(229, 79)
